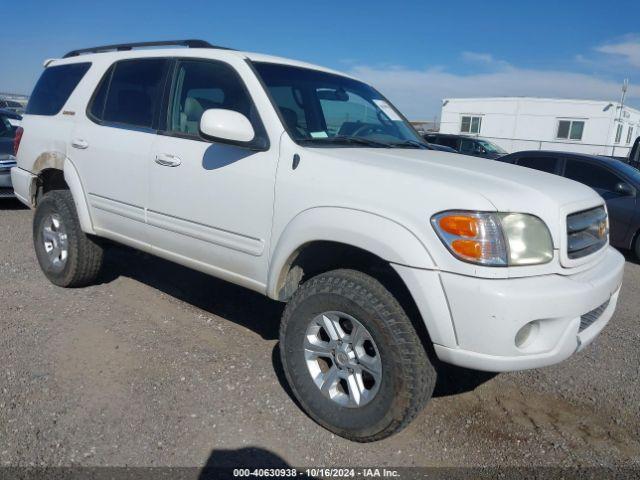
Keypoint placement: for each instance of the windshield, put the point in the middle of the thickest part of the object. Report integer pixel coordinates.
(320, 108)
(491, 147)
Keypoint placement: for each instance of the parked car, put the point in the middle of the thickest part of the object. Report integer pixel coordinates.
(474, 146)
(617, 182)
(7, 160)
(309, 187)
(440, 148)
(10, 105)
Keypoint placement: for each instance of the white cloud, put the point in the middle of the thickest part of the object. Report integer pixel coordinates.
(484, 59)
(626, 50)
(419, 93)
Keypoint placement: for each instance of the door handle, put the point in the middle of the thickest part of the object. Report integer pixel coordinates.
(79, 143)
(167, 160)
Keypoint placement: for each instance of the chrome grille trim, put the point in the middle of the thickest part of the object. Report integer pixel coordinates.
(588, 318)
(587, 232)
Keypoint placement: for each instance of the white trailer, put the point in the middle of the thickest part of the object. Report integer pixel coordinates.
(528, 123)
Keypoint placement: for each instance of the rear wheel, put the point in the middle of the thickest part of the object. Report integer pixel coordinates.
(636, 246)
(352, 356)
(67, 256)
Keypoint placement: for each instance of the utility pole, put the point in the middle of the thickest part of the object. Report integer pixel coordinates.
(625, 86)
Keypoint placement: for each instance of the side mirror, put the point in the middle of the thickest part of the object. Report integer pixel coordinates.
(227, 126)
(625, 190)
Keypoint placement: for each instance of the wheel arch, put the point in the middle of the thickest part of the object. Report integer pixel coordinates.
(55, 171)
(336, 229)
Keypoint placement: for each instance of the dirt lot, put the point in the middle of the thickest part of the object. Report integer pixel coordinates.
(160, 365)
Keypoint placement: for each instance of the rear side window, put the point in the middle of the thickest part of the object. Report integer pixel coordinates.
(130, 93)
(544, 164)
(592, 175)
(55, 86)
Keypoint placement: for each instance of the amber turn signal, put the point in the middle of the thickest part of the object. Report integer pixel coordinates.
(460, 225)
(467, 248)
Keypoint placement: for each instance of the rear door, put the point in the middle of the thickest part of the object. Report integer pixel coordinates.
(112, 147)
(603, 180)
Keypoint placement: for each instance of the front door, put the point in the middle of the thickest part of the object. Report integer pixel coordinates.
(210, 204)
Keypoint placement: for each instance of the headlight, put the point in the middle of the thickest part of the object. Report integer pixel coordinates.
(495, 239)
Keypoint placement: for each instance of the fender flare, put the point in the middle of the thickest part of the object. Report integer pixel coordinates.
(54, 160)
(72, 177)
(374, 233)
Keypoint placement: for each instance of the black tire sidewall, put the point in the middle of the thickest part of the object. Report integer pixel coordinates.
(54, 203)
(360, 422)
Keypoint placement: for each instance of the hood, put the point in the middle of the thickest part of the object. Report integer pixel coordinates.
(426, 182)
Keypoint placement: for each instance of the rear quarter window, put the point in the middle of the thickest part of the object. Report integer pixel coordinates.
(55, 86)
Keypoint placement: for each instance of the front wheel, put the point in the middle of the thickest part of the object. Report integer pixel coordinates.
(352, 356)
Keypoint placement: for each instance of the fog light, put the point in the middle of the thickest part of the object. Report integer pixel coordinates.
(526, 334)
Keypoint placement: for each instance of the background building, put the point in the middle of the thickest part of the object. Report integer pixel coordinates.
(525, 123)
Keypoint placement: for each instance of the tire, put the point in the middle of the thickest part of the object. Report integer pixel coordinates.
(636, 246)
(67, 256)
(406, 378)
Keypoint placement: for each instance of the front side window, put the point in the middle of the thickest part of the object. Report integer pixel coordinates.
(320, 108)
(570, 129)
(491, 147)
(130, 93)
(594, 176)
(544, 164)
(202, 85)
(55, 86)
(470, 124)
(467, 145)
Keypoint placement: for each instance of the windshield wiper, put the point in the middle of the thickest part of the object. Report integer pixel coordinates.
(408, 144)
(348, 140)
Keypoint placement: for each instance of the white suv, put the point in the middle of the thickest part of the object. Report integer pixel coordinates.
(308, 186)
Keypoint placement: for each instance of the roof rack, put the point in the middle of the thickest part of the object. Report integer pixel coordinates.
(129, 46)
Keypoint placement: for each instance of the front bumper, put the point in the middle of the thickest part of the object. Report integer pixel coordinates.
(485, 314)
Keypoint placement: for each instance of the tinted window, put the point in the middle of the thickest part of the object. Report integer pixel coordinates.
(591, 175)
(130, 93)
(451, 142)
(544, 164)
(55, 87)
(467, 146)
(201, 85)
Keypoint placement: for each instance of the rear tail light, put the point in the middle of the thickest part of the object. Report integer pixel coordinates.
(16, 140)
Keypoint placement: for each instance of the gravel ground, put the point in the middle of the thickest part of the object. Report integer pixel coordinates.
(158, 365)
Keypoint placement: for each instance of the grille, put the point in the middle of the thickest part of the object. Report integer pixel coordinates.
(587, 232)
(588, 318)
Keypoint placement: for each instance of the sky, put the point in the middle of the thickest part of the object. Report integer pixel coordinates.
(415, 52)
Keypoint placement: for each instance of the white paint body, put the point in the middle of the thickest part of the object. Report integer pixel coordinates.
(527, 123)
(240, 215)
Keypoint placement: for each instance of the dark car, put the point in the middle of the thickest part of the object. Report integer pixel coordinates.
(7, 130)
(7, 135)
(441, 148)
(12, 106)
(616, 181)
(474, 146)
